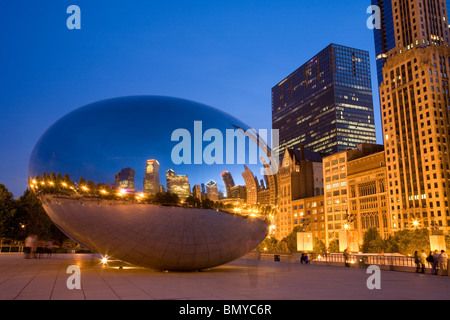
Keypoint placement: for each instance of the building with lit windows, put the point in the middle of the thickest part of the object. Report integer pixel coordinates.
(151, 177)
(251, 186)
(326, 105)
(125, 179)
(367, 195)
(296, 180)
(178, 184)
(197, 192)
(414, 94)
(335, 174)
(309, 213)
(212, 192)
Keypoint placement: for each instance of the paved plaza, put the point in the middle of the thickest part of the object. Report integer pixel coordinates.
(243, 279)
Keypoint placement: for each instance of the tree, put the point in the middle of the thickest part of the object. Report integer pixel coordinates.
(207, 204)
(7, 212)
(291, 239)
(319, 246)
(334, 246)
(166, 198)
(32, 216)
(372, 241)
(409, 241)
(190, 201)
(82, 182)
(270, 244)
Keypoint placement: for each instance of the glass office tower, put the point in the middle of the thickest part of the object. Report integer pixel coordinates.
(385, 36)
(326, 105)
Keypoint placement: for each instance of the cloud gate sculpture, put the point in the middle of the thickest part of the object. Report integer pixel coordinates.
(125, 177)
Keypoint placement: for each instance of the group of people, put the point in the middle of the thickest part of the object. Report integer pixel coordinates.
(438, 262)
(34, 248)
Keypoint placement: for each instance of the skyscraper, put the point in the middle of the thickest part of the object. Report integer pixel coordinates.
(228, 181)
(151, 178)
(125, 179)
(197, 192)
(326, 105)
(414, 94)
(251, 184)
(384, 37)
(212, 191)
(178, 184)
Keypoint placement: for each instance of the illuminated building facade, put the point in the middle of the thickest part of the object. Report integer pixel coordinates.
(414, 94)
(335, 173)
(211, 190)
(367, 195)
(309, 213)
(296, 178)
(151, 178)
(125, 179)
(238, 192)
(178, 184)
(197, 192)
(326, 105)
(251, 185)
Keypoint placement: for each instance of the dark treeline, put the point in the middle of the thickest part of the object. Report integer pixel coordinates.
(25, 216)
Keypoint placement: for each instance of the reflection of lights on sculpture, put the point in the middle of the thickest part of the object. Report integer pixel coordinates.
(103, 171)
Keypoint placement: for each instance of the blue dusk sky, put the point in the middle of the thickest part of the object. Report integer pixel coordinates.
(226, 54)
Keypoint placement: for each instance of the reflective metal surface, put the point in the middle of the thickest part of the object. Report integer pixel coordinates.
(103, 170)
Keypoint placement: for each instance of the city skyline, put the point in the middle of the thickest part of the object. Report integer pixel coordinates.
(27, 116)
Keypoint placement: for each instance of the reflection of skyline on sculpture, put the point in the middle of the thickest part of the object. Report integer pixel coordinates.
(99, 140)
(90, 170)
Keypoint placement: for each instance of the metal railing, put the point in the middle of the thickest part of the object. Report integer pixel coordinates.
(381, 260)
(338, 258)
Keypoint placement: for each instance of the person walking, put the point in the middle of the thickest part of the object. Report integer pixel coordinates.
(423, 260)
(443, 263)
(305, 259)
(436, 259)
(417, 261)
(346, 257)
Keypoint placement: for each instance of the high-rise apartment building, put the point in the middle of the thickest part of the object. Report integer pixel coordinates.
(178, 184)
(151, 177)
(326, 105)
(414, 94)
